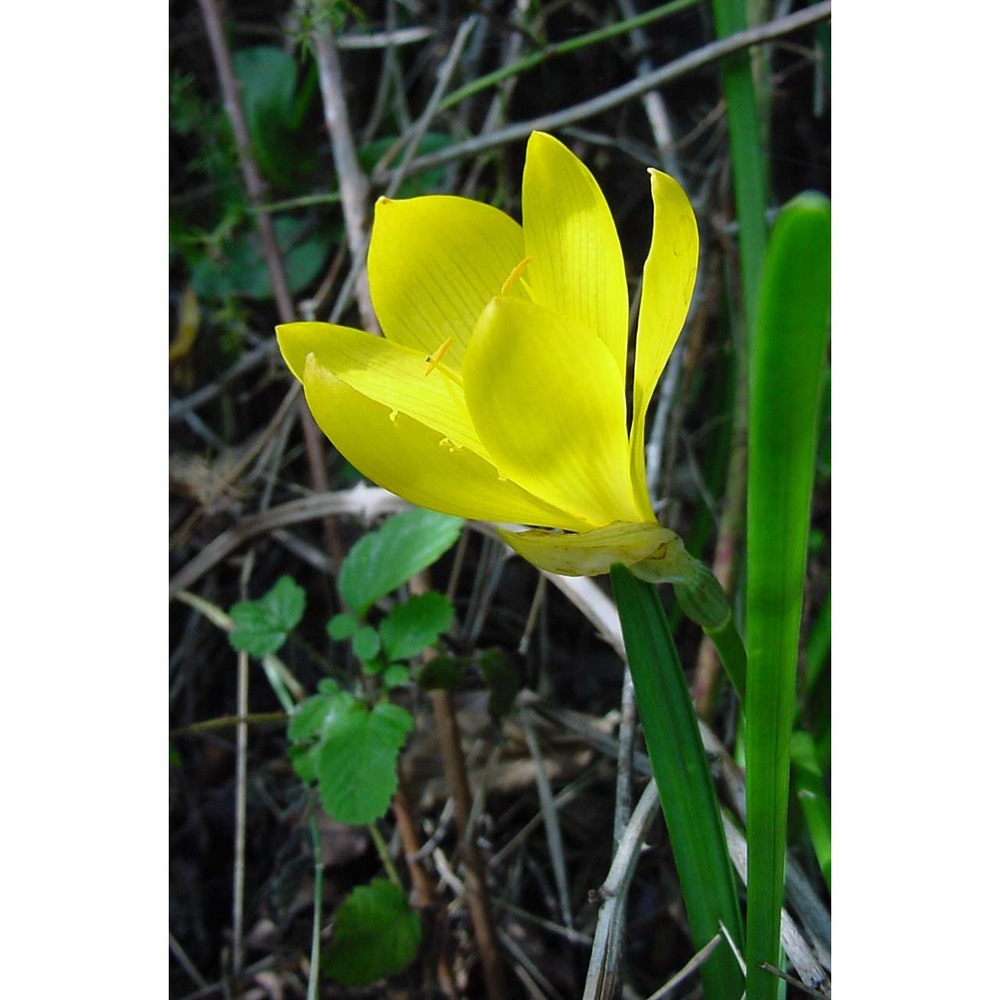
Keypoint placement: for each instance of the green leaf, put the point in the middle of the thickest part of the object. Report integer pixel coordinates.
(687, 795)
(443, 673)
(237, 266)
(357, 761)
(411, 627)
(309, 721)
(385, 559)
(268, 77)
(810, 790)
(787, 365)
(365, 644)
(503, 681)
(342, 626)
(396, 675)
(262, 626)
(375, 933)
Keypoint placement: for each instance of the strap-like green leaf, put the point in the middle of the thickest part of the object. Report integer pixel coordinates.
(687, 795)
(787, 364)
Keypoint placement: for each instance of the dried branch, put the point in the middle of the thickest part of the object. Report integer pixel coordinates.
(704, 56)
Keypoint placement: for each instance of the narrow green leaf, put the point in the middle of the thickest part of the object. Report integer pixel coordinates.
(807, 780)
(262, 626)
(387, 558)
(414, 626)
(787, 367)
(680, 768)
(746, 153)
(357, 761)
(375, 933)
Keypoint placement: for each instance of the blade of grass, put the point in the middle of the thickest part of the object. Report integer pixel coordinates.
(807, 780)
(680, 768)
(787, 365)
(750, 181)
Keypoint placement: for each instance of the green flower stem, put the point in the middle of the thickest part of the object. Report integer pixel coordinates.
(680, 769)
(733, 655)
(787, 367)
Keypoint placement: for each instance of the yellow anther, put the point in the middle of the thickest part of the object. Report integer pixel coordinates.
(433, 359)
(515, 276)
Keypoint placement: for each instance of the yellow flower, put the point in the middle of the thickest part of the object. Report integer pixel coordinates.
(499, 390)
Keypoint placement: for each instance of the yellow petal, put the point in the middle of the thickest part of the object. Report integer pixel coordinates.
(591, 553)
(434, 263)
(545, 397)
(395, 376)
(577, 267)
(667, 286)
(408, 458)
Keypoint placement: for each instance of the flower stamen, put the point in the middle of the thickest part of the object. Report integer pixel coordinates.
(515, 276)
(433, 359)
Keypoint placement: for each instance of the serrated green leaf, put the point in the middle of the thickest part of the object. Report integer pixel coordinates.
(385, 559)
(375, 933)
(342, 626)
(365, 644)
(309, 721)
(396, 675)
(357, 761)
(285, 602)
(415, 625)
(309, 718)
(263, 625)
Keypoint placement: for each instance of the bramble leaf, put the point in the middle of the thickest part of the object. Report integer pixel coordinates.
(386, 558)
(262, 626)
(375, 933)
(342, 626)
(309, 721)
(365, 643)
(396, 675)
(357, 760)
(415, 625)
